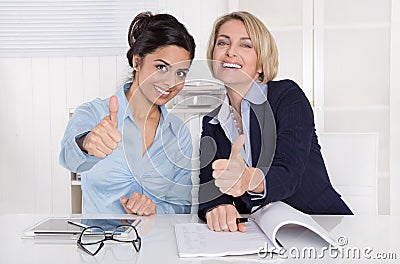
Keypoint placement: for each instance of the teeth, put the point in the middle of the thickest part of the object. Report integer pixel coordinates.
(231, 65)
(161, 91)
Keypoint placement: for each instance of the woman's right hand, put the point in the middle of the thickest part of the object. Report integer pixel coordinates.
(104, 138)
(223, 218)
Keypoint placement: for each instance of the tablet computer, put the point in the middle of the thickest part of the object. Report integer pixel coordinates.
(74, 226)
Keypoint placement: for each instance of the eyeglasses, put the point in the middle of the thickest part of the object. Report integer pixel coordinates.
(92, 238)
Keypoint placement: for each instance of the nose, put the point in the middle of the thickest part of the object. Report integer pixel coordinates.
(231, 51)
(169, 80)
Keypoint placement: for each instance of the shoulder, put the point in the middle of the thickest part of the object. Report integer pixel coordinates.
(285, 91)
(283, 87)
(97, 108)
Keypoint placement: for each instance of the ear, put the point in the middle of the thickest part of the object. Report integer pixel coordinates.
(260, 70)
(135, 62)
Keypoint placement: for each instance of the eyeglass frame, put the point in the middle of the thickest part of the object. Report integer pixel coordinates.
(108, 236)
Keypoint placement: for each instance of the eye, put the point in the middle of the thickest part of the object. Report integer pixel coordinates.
(247, 46)
(222, 43)
(181, 74)
(162, 67)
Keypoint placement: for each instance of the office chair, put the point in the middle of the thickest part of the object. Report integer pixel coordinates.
(351, 161)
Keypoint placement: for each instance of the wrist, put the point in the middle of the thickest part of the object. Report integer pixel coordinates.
(80, 141)
(256, 184)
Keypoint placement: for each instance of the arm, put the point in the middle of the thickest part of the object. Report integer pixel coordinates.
(295, 125)
(82, 122)
(209, 195)
(88, 137)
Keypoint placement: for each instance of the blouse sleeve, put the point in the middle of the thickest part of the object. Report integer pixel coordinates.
(71, 156)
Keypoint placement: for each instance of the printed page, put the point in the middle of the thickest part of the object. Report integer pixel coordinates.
(195, 240)
(278, 215)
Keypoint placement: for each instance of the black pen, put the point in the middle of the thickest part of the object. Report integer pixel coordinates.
(77, 224)
(242, 220)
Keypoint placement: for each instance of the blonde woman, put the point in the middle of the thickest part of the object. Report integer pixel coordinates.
(259, 145)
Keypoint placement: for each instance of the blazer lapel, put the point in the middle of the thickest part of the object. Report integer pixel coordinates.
(262, 135)
(255, 137)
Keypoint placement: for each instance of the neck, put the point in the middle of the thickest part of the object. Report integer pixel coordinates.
(141, 107)
(237, 92)
(235, 99)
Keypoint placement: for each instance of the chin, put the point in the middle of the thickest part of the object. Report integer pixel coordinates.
(231, 80)
(162, 101)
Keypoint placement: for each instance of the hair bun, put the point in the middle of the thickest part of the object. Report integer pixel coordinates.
(149, 32)
(138, 25)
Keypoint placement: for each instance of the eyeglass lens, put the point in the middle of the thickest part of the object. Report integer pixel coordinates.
(125, 234)
(91, 239)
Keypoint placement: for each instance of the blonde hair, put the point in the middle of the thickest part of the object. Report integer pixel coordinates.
(262, 39)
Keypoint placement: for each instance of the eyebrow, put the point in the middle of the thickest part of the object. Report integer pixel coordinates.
(163, 61)
(169, 65)
(226, 36)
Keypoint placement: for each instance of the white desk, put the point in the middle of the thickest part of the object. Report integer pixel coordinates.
(380, 233)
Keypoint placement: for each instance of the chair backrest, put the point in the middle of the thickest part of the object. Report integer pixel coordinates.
(351, 161)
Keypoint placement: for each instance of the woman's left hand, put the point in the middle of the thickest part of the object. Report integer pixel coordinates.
(231, 175)
(138, 204)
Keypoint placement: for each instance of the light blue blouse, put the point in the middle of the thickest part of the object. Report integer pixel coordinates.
(163, 172)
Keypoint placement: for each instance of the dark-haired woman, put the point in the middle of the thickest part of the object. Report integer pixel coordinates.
(134, 157)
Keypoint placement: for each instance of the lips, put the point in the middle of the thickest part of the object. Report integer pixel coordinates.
(161, 91)
(231, 65)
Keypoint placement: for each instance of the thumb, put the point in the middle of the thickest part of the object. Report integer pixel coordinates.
(123, 201)
(237, 146)
(113, 109)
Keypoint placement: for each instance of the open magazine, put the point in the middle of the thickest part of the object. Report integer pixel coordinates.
(272, 228)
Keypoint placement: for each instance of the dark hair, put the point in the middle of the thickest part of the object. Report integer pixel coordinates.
(149, 32)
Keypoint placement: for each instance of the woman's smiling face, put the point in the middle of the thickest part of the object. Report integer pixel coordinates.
(162, 73)
(235, 59)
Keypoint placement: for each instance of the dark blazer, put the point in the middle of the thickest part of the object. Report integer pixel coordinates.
(295, 171)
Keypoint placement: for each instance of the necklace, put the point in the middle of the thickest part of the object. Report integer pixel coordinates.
(238, 128)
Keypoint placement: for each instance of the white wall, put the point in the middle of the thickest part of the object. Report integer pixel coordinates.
(395, 110)
(37, 95)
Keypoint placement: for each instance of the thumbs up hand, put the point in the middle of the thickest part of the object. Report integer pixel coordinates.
(232, 176)
(104, 138)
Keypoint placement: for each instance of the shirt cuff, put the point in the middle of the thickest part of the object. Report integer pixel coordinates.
(258, 196)
(81, 161)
